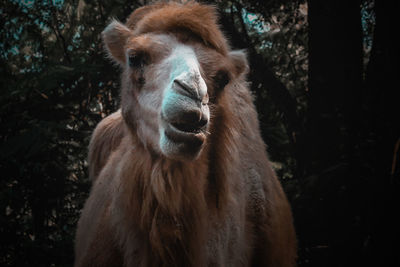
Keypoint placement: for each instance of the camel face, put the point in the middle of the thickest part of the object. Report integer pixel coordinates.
(164, 94)
(166, 83)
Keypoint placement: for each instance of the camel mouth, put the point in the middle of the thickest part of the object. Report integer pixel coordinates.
(194, 128)
(192, 134)
(187, 129)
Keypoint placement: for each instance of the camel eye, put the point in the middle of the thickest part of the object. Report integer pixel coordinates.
(221, 79)
(137, 60)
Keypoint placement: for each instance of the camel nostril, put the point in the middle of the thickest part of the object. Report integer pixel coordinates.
(202, 122)
(185, 88)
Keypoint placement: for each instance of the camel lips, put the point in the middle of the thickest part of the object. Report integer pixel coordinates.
(188, 127)
(177, 134)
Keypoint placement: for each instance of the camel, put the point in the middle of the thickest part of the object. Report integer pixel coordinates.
(180, 174)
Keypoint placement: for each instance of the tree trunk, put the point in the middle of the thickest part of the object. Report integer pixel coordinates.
(326, 216)
(382, 109)
(335, 75)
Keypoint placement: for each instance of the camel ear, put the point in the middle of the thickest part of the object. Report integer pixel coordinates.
(115, 36)
(239, 60)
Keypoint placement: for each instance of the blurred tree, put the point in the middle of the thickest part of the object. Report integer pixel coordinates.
(381, 137)
(328, 210)
(335, 80)
(344, 212)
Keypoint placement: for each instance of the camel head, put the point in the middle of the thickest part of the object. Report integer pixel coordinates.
(175, 66)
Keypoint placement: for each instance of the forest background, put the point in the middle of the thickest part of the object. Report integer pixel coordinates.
(324, 76)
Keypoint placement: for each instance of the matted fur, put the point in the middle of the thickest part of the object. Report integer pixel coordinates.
(198, 19)
(225, 208)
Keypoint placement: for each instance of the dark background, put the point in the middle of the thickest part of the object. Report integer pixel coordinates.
(324, 75)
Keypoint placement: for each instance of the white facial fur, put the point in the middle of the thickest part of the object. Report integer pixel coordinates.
(160, 98)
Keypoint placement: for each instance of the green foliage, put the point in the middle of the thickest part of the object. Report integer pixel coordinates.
(56, 85)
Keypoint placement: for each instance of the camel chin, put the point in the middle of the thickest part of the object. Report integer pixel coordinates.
(181, 145)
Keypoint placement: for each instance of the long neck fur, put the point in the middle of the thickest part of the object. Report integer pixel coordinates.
(166, 204)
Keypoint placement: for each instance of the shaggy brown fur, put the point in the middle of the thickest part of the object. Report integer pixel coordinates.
(105, 139)
(173, 17)
(224, 208)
